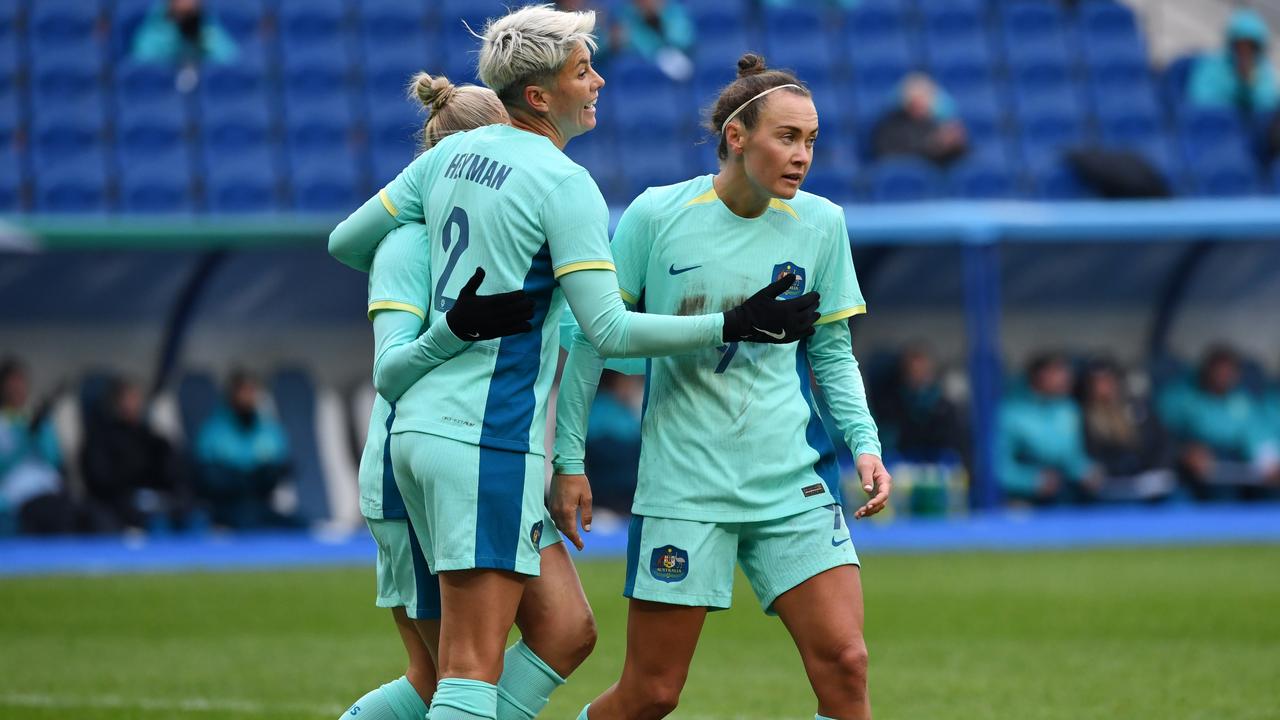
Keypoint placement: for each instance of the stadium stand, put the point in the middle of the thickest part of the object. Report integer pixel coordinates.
(1034, 77)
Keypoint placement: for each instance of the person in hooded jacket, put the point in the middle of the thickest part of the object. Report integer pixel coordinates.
(1239, 76)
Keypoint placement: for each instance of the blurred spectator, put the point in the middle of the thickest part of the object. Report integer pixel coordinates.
(918, 421)
(660, 31)
(32, 496)
(923, 124)
(180, 32)
(244, 457)
(613, 440)
(1239, 76)
(133, 477)
(1223, 443)
(1040, 453)
(608, 34)
(1123, 437)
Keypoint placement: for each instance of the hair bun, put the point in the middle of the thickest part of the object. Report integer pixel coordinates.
(750, 64)
(433, 92)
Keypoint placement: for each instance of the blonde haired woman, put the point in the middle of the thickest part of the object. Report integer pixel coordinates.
(513, 203)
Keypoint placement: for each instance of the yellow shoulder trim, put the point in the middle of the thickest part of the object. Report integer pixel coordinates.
(386, 202)
(841, 314)
(628, 297)
(393, 305)
(587, 265)
(777, 204)
(706, 197)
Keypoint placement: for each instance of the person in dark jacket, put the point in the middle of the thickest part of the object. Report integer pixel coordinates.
(132, 475)
(1123, 437)
(923, 124)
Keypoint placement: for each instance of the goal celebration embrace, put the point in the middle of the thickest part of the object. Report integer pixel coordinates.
(736, 293)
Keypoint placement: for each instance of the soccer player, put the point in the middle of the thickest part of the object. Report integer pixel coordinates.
(467, 441)
(764, 491)
(554, 615)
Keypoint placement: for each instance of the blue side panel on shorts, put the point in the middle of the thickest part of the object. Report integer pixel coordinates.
(499, 506)
(392, 503)
(509, 409)
(633, 553)
(815, 434)
(428, 585)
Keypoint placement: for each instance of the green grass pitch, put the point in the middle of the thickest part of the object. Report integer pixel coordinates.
(1159, 633)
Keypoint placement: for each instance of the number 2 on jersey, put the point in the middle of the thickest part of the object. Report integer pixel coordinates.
(459, 218)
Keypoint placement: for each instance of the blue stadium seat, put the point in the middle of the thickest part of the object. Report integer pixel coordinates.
(1227, 172)
(245, 183)
(817, 59)
(219, 83)
(295, 397)
(231, 128)
(59, 23)
(873, 18)
(966, 50)
(386, 163)
(1120, 75)
(66, 130)
(944, 18)
(981, 179)
(153, 127)
(980, 109)
(896, 46)
(318, 124)
(708, 79)
(12, 178)
(309, 69)
(794, 21)
(1056, 181)
(159, 184)
(319, 23)
(329, 183)
(10, 115)
(904, 180)
(243, 19)
(1275, 176)
(144, 83)
(73, 185)
(1044, 136)
(596, 151)
(1204, 131)
(835, 108)
(836, 183)
(389, 65)
(58, 78)
(1046, 97)
(652, 112)
(722, 48)
(1031, 19)
(1173, 81)
(661, 161)
(393, 127)
(390, 20)
(1109, 29)
(12, 59)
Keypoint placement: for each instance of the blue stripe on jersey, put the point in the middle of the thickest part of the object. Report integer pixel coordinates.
(392, 502)
(426, 584)
(633, 553)
(648, 374)
(509, 408)
(827, 467)
(499, 507)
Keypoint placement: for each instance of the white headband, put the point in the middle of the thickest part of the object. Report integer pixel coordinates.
(734, 114)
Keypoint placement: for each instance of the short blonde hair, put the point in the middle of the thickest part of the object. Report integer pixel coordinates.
(531, 44)
(454, 108)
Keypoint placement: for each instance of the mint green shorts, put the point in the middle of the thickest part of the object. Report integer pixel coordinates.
(403, 577)
(471, 506)
(686, 562)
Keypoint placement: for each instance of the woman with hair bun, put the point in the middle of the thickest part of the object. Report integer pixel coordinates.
(399, 292)
(764, 494)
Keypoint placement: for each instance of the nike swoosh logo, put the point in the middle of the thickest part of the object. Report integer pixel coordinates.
(838, 544)
(674, 271)
(473, 335)
(775, 336)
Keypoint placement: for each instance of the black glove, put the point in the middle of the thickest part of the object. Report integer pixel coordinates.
(764, 319)
(484, 317)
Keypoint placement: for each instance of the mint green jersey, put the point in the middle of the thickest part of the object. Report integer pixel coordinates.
(511, 202)
(732, 434)
(400, 279)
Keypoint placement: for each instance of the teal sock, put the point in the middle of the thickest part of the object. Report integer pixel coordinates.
(462, 699)
(583, 715)
(822, 717)
(526, 684)
(397, 700)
